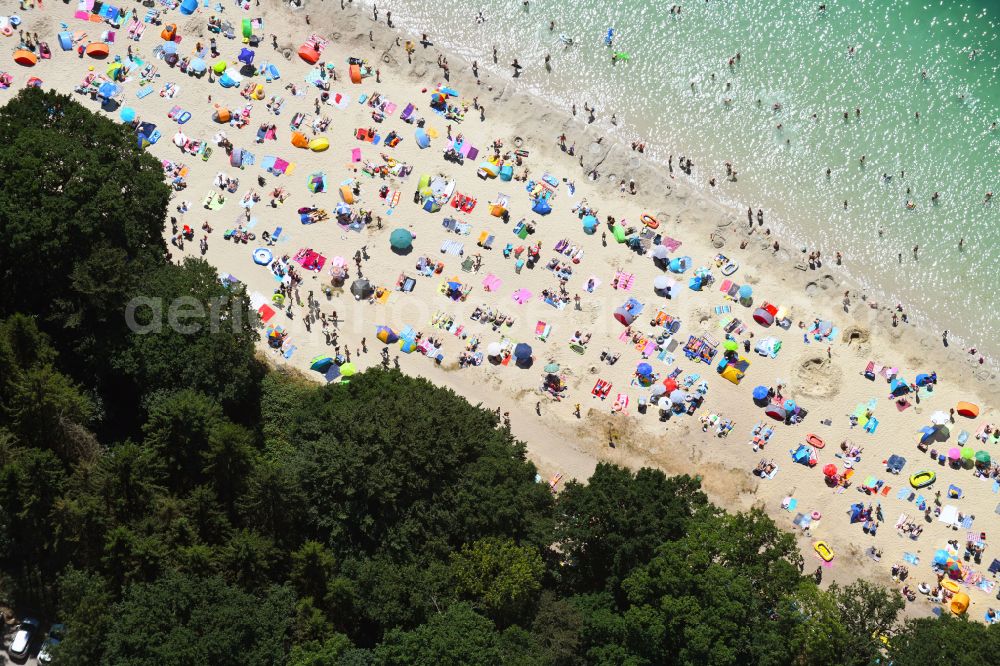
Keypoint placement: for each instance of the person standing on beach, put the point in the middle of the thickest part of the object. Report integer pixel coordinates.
(375, 12)
(495, 59)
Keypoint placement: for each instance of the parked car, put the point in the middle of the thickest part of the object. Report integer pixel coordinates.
(23, 638)
(56, 633)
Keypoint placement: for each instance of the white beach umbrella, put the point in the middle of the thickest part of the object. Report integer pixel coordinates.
(494, 349)
(940, 418)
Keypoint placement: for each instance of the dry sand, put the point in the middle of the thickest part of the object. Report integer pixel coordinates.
(830, 386)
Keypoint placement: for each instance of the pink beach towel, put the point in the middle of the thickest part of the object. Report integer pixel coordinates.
(355, 154)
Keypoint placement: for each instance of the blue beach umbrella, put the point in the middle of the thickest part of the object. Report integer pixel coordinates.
(198, 65)
(522, 351)
(790, 406)
(760, 393)
(746, 291)
(127, 114)
(644, 369)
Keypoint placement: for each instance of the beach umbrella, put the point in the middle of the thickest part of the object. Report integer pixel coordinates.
(522, 351)
(746, 291)
(677, 397)
(348, 369)
(127, 114)
(644, 369)
(790, 406)
(107, 90)
(362, 289)
(760, 393)
(661, 282)
(321, 363)
(830, 470)
(180, 139)
(660, 252)
(494, 349)
(197, 66)
(940, 418)
(551, 368)
(968, 453)
(983, 458)
(954, 453)
(941, 557)
(730, 345)
(589, 224)
(407, 346)
(386, 334)
(400, 239)
(658, 390)
(170, 48)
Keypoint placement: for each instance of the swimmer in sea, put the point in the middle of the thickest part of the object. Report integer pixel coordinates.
(480, 18)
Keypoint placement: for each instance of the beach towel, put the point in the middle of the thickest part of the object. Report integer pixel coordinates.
(355, 155)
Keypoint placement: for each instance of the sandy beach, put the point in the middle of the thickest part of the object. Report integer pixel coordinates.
(592, 277)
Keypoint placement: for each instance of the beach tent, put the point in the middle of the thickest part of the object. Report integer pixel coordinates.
(506, 172)
(488, 170)
(401, 239)
(65, 40)
(541, 206)
(899, 386)
(431, 205)
(967, 409)
(317, 182)
(348, 369)
(246, 56)
(776, 412)
(169, 32)
(222, 116)
(98, 50)
(628, 311)
(589, 224)
(694, 284)
(804, 455)
(423, 140)
(319, 144)
(679, 264)
(299, 140)
(355, 73)
(219, 67)
(923, 379)
(247, 29)
(229, 80)
(309, 53)
(321, 364)
(763, 317)
(960, 603)
(236, 158)
(407, 346)
(188, 7)
(386, 335)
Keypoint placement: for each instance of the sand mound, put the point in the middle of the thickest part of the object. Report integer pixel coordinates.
(817, 377)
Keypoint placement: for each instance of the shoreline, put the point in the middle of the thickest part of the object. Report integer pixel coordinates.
(791, 238)
(560, 442)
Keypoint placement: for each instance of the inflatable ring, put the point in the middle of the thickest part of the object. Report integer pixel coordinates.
(7, 30)
(262, 256)
(649, 221)
(816, 515)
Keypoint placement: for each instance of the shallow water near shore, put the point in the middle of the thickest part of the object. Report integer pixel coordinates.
(940, 59)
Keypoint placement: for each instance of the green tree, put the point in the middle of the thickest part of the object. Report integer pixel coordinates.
(85, 605)
(313, 566)
(616, 521)
(200, 335)
(180, 620)
(499, 576)
(81, 201)
(945, 641)
(316, 653)
(456, 637)
(178, 428)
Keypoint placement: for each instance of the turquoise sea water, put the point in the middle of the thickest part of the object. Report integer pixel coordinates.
(941, 59)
